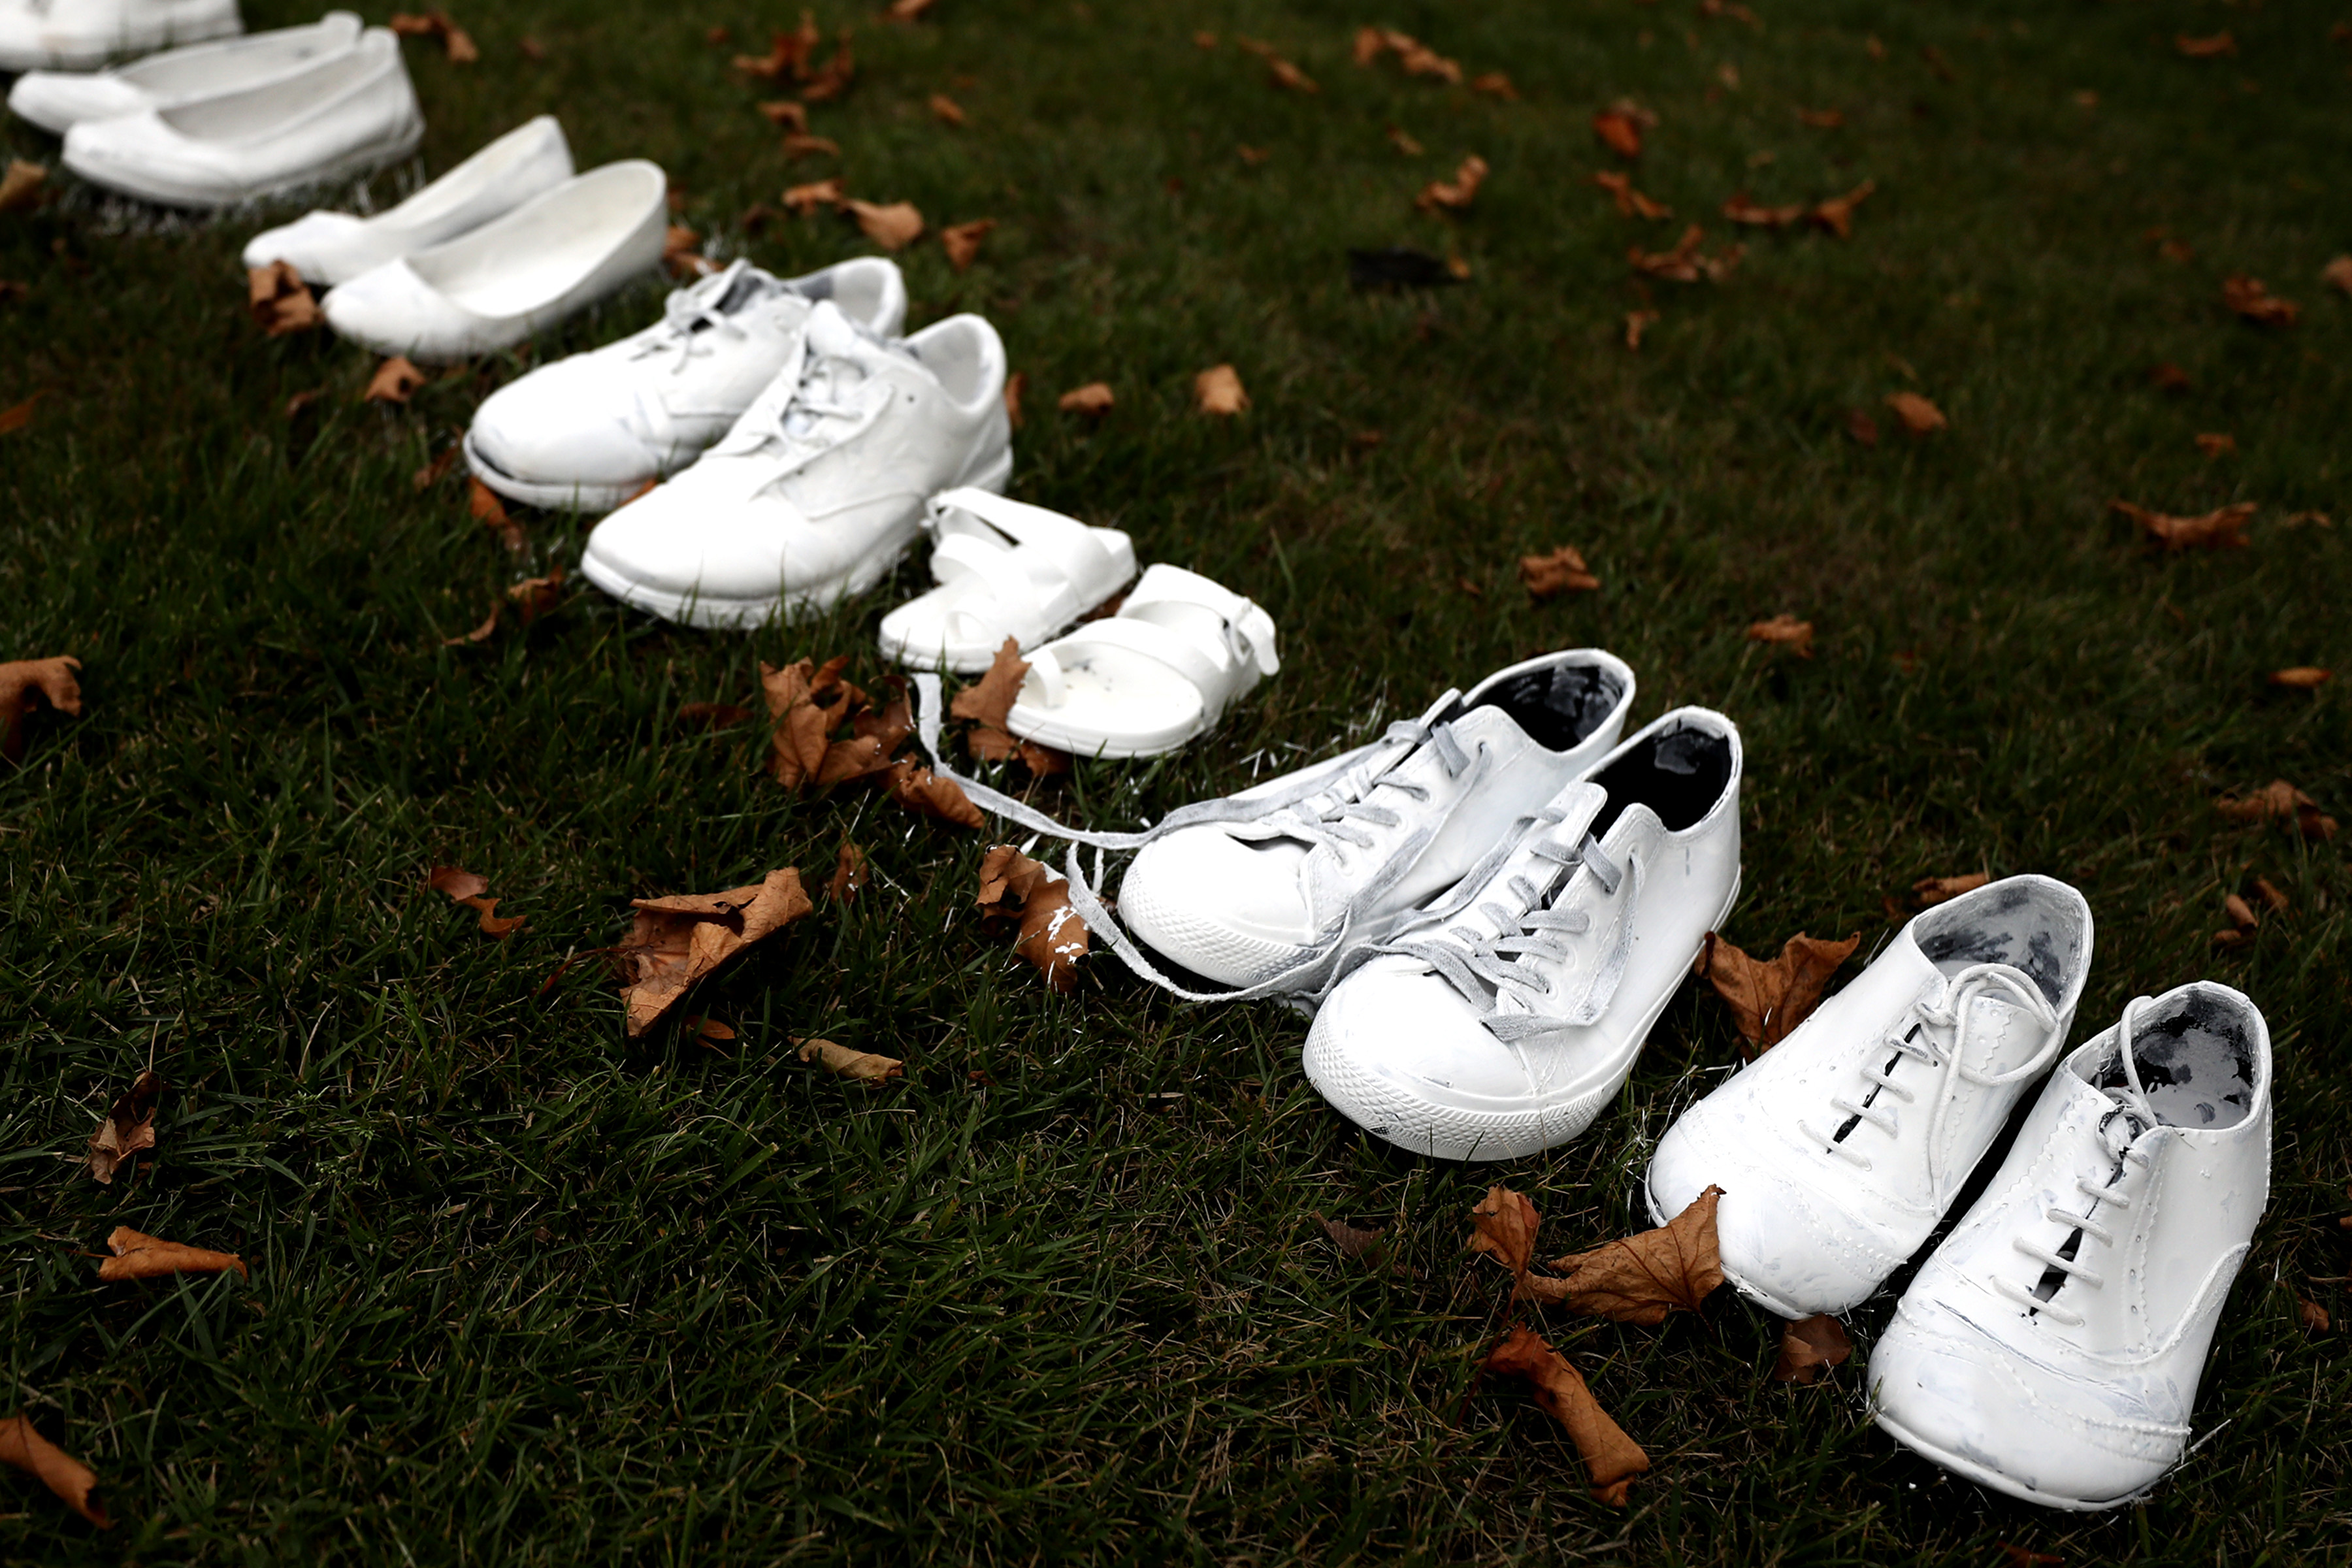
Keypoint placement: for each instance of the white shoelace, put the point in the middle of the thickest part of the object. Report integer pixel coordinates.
(690, 317)
(1342, 812)
(824, 409)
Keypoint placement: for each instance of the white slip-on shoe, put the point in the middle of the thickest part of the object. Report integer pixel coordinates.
(819, 487)
(59, 100)
(82, 35)
(1006, 569)
(335, 118)
(557, 254)
(1502, 1028)
(1841, 1149)
(330, 248)
(2050, 1347)
(592, 430)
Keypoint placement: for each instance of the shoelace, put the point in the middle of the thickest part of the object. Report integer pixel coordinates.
(688, 317)
(1344, 812)
(1908, 1040)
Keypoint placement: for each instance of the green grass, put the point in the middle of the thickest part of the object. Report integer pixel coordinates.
(526, 1291)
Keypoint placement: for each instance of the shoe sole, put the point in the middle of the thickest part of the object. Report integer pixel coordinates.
(571, 496)
(1993, 1480)
(351, 166)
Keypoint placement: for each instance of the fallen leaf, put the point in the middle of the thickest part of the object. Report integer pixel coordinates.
(1457, 192)
(893, 227)
(1938, 64)
(1837, 215)
(1684, 264)
(23, 1446)
(1611, 1460)
(2168, 377)
(712, 715)
(480, 634)
(1564, 570)
(1052, 938)
(1620, 132)
(1503, 1228)
(1352, 1242)
(1821, 119)
(2019, 1557)
(2223, 529)
(1370, 42)
(1014, 385)
(1284, 74)
(27, 684)
(394, 380)
(944, 107)
(456, 42)
(861, 1067)
(491, 513)
(535, 596)
(803, 200)
(711, 1030)
(808, 703)
(907, 10)
(2302, 678)
(531, 47)
(2205, 49)
(1094, 397)
(2240, 913)
(18, 415)
(2312, 1315)
(1810, 1346)
(1876, 49)
(1495, 84)
(674, 941)
(1631, 202)
(129, 1127)
(961, 241)
(2271, 896)
(2297, 519)
(1861, 426)
(796, 146)
(1728, 75)
(789, 112)
(988, 701)
(850, 873)
(1218, 390)
(2250, 299)
(1405, 143)
(465, 887)
(1929, 891)
(2337, 273)
(1787, 631)
(1252, 156)
(21, 185)
(1637, 322)
(1767, 1000)
(834, 80)
(1204, 40)
(140, 1256)
(924, 794)
(278, 301)
(1731, 8)
(1919, 417)
(1642, 1277)
(2214, 444)
(1740, 209)
(2279, 801)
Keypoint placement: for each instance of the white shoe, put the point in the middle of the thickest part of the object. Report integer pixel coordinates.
(2050, 1347)
(1502, 1028)
(1307, 872)
(1005, 569)
(329, 248)
(59, 100)
(82, 35)
(339, 116)
(819, 487)
(558, 253)
(591, 431)
(1841, 1149)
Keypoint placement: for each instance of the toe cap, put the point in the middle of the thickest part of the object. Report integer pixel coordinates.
(1228, 908)
(542, 431)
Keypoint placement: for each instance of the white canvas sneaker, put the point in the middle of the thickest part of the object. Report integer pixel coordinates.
(339, 116)
(58, 100)
(819, 487)
(1503, 1028)
(82, 35)
(330, 248)
(591, 431)
(2051, 1346)
(1841, 1149)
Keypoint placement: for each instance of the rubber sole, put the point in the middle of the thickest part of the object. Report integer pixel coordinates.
(574, 496)
(1993, 1480)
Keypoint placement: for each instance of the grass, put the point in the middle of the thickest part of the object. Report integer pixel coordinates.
(526, 1291)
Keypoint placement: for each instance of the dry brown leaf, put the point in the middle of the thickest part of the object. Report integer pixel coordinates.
(2168, 377)
(1769, 1000)
(2221, 529)
(1929, 891)
(859, 1067)
(140, 1257)
(394, 381)
(1620, 132)
(1631, 202)
(2337, 273)
(1418, 59)
(907, 10)
(674, 941)
(1456, 194)
(2239, 914)
(961, 241)
(129, 1127)
(480, 634)
(711, 715)
(2273, 898)
(1564, 570)
(1919, 417)
(789, 112)
(2019, 1557)
(1837, 215)
(2302, 678)
(1684, 264)
(1638, 323)
(2215, 445)
(797, 146)
(23, 1446)
(18, 415)
(1502, 1226)
(1094, 397)
(278, 301)
(893, 227)
(829, 83)
(808, 703)
(27, 684)
(1495, 84)
(988, 701)
(21, 185)
(1810, 1346)
(535, 596)
(850, 873)
(1014, 385)
(1861, 426)
(803, 200)
(1403, 142)
(1370, 44)
(1204, 40)
(1821, 119)
(466, 887)
(456, 42)
(1611, 1460)
(1740, 209)
(1218, 390)
(2279, 801)
(1252, 156)
(1642, 1277)
(2250, 299)
(1731, 8)
(1353, 1243)
(1785, 630)
(2312, 1315)
(924, 794)
(1054, 940)
(2205, 49)
(1284, 74)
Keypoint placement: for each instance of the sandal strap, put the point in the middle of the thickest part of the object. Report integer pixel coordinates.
(994, 593)
(1248, 627)
(1210, 672)
(1067, 546)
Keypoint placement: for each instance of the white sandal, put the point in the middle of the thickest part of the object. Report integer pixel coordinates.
(1150, 678)
(1006, 569)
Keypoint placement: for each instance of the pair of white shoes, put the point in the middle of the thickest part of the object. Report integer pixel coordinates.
(82, 35)
(2050, 1348)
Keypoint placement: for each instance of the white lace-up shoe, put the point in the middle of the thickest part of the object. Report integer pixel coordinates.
(1503, 1028)
(82, 35)
(1307, 872)
(2050, 1347)
(58, 100)
(1841, 1149)
(591, 431)
(820, 485)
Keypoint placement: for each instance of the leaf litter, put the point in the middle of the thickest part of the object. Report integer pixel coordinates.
(674, 941)
(129, 1127)
(1769, 998)
(1052, 938)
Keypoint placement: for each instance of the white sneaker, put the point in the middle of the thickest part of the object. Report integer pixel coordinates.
(591, 431)
(339, 116)
(558, 253)
(58, 100)
(82, 35)
(1840, 1149)
(2050, 1347)
(329, 248)
(820, 485)
(1503, 1028)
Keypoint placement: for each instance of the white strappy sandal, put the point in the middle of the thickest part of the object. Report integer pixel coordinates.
(1006, 569)
(1150, 678)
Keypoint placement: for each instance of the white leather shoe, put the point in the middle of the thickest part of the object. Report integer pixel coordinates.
(1502, 1028)
(591, 431)
(1317, 867)
(337, 116)
(329, 248)
(2050, 1347)
(1841, 1149)
(59, 100)
(82, 35)
(558, 253)
(819, 487)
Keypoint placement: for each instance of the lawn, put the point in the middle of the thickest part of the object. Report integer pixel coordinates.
(525, 1290)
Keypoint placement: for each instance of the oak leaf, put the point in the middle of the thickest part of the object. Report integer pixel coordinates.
(2279, 801)
(21, 185)
(1770, 999)
(850, 873)
(2256, 304)
(858, 1067)
(1218, 391)
(2302, 678)
(893, 226)
(1810, 1346)
(535, 596)
(27, 684)
(74, 1482)
(488, 510)
(2272, 896)
(1611, 1460)
(674, 941)
(129, 1127)
(2221, 529)
(1564, 570)
(1642, 1277)
(924, 794)
(1094, 397)
(805, 199)
(463, 887)
(1052, 938)
(1919, 417)
(1631, 202)
(2205, 49)
(1929, 891)
(278, 300)
(1837, 215)
(1787, 631)
(1457, 192)
(140, 1257)
(961, 241)
(1405, 142)
(394, 381)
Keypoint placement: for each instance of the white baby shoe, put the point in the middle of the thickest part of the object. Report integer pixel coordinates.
(58, 100)
(490, 288)
(330, 248)
(1502, 1028)
(819, 487)
(1840, 1149)
(82, 35)
(590, 431)
(2050, 1347)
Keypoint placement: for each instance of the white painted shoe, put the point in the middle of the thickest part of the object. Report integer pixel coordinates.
(1841, 1148)
(819, 487)
(557, 254)
(330, 248)
(59, 100)
(2051, 1346)
(590, 431)
(1503, 1028)
(1299, 876)
(82, 35)
(1005, 569)
(338, 117)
